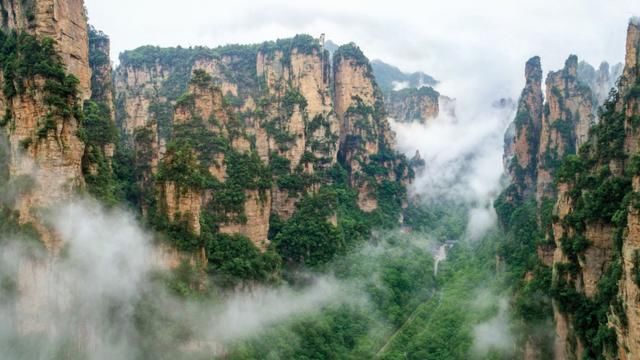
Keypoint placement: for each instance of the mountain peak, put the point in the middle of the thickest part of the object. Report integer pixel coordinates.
(533, 70)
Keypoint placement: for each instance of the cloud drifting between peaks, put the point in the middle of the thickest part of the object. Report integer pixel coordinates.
(463, 158)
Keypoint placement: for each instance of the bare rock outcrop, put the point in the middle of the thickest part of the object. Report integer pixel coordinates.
(528, 122)
(365, 135)
(42, 137)
(414, 105)
(275, 106)
(568, 116)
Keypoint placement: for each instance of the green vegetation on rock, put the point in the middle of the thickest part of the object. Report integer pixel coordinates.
(351, 52)
(26, 59)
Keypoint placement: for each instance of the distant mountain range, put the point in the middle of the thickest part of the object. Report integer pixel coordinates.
(390, 77)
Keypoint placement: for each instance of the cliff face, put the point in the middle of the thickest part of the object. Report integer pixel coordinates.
(102, 87)
(629, 335)
(257, 131)
(65, 22)
(568, 116)
(528, 122)
(592, 227)
(414, 105)
(629, 291)
(136, 87)
(44, 134)
(631, 72)
(210, 161)
(301, 124)
(547, 130)
(42, 108)
(50, 158)
(410, 97)
(223, 150)
(596, 254)
(366, 141)
(99, 129)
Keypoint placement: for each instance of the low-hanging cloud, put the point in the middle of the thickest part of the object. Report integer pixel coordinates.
(245, 314)
(495, 333)
(101, 298)
(463, 158)
(400, 85)
(97, 294)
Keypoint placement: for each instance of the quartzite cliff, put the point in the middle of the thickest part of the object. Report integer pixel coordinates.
(579, 167)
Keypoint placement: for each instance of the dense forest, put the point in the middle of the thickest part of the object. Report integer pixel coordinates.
(251, 202)
(390, 293)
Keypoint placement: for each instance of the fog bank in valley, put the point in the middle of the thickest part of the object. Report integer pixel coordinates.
(94, 296)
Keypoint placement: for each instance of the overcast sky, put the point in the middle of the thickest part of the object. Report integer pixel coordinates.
(468, 42)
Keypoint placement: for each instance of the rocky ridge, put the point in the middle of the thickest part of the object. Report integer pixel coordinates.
(285, 107)
(582, 183)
